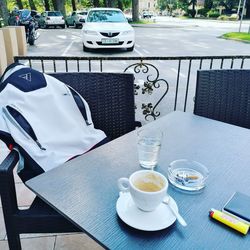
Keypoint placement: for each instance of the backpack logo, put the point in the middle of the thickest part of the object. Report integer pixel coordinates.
(26, 77)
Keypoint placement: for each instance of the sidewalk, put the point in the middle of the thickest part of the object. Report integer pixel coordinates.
(170, 22)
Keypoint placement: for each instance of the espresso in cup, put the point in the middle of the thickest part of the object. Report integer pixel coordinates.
(147, 188)
(149, 183)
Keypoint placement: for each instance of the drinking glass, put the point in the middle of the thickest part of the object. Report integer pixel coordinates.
(148, 145)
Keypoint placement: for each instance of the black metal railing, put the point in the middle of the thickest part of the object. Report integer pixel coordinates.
(162, 84)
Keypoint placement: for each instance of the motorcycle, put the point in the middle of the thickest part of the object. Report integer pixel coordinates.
(26, 18)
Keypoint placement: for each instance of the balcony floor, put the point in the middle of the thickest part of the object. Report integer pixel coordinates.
(66, 241)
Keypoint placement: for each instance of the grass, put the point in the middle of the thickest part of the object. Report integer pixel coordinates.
(240, 36)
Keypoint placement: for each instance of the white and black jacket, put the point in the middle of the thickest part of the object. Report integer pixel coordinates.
(47, 120)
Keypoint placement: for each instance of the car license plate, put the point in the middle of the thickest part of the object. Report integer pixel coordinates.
(110, 41)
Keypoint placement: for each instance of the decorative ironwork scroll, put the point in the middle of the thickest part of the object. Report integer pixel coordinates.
(148, 86)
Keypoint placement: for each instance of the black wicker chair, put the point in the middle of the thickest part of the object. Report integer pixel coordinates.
(224, 95)
(111, 100)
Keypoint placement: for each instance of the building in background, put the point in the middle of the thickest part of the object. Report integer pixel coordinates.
(147, 5)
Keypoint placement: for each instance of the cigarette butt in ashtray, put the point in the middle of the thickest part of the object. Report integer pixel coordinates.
(229, 221)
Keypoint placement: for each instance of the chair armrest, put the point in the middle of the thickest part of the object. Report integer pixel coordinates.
(7, 184)
(8, 164)
(138, 124)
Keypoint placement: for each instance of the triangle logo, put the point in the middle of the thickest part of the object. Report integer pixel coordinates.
(26, 77)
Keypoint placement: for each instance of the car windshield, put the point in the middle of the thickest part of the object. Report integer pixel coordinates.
(112, 16)
(55, 13)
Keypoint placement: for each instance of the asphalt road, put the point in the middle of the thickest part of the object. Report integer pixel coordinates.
(166, 37)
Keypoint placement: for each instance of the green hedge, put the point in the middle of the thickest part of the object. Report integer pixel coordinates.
(213, 14)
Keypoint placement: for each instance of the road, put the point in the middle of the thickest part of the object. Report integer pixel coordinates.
(167, 37)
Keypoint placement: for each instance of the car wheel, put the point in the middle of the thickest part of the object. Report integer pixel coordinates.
(85, 49)
(131, 48)
(63, 26)
(75, 25)
(67, 24)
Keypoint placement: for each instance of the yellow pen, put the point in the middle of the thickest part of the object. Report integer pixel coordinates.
(229, 221)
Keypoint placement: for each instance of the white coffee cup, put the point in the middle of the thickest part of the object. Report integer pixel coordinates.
(147, 188)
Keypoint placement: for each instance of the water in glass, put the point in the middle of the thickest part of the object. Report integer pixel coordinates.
(148, 151)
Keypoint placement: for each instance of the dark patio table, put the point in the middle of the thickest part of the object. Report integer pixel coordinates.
(85, 191)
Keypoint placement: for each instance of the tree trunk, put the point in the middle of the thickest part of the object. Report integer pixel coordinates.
(32, 5)
(54, 3)
(96, 3)
(193, 9)
(4, 11)
(73, 2)
(19, 4)
(135, 10)
(60, 6)
(111, 3)
(46, 5)
(120, 4)
(248, 10)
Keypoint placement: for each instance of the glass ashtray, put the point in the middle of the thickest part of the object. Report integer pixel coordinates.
(187, 175)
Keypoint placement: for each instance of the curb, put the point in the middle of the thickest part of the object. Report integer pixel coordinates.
(161, 26)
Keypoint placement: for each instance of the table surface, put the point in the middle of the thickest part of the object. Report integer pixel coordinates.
(85, 191)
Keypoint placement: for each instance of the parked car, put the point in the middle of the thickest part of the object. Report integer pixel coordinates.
(107, 28)
(147, 14)
(51, 18)
(76, 18)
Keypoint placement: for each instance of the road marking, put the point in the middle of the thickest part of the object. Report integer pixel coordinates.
(176, 71)
(137, 45)
(138, 52)
(67, 49)
(62, 36)
(147, 52)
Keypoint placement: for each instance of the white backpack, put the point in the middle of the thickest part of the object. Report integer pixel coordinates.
(47, 120)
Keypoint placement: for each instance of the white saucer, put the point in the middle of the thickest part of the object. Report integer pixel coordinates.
(160, 218)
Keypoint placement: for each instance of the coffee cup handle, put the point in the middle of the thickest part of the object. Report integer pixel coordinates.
(123, 184)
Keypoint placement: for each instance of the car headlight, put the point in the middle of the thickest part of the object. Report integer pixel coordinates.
(90, 32)
(127, 32)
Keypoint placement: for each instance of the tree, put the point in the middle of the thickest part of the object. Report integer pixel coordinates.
(120, 4)
(59, 5)
(4, 13)
(135, 10)
(46, 5)
(110, 3)
(19, 4)
(73, 2)
(32, 5)
(248, 8)
(96, 3)
(208, 4)
(193, 3)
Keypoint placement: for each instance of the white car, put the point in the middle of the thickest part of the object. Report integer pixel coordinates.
(107, 28)
(51, 18)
